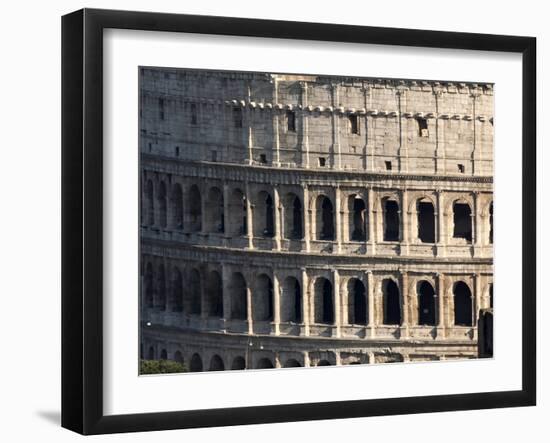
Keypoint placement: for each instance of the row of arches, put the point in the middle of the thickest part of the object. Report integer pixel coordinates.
(203, 293)
(210, 213)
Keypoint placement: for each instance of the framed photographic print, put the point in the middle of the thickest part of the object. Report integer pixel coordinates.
(270, 221)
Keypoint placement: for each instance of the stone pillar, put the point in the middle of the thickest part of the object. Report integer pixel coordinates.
(338, 215)
(276, 303)
(405, 303)
(276, 125)
(277, 220)
(337, 301)
(249, 306)
(277, 359)
(336, 148)
(305, 125)
(441, 298)
(371, 221)
(307, 217)
(371, 304)
(476, 223)
(477, 297)
(307, 363)
(405, 223)
(305, 302)
(441, 232)
(249, 226)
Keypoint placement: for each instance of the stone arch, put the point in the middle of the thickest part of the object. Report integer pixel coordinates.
(194, 288)
(463, 304)
(264, 215)
(263, 298)
(195, 209)
(178, 357)
(324, 218)
(324, 363)
(196, 363)
(462, 220)
(162, 207)
(150, 202)
(176, 301)
(426, 303)
(161, 288)
(176, 202)
(293, 217)
(148, 282)
(292, 363)
(391, 300)
(357, 302)
(323, 301)
(264, 363)
(238, 296)
(239, 363)
(214, 216)
(391, 219)
(291, 300)
(214, 294)
(236, 218)
(357, 223)
(216, 363)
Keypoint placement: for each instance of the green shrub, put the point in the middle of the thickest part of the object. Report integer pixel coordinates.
(161, 367)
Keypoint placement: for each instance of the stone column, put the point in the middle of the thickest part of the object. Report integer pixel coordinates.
(276, 303)
(337, 301)
(371, 221)
(338, 215)
(249, 307)
(305, 302)
(277, 218)
(307, 217)
(249, 226)
(440, 288)
(277, 359)
(307, 363)
(405, 303)
(476, 223)
(477, 297)
(441, 232)
(405, 223)
(305, 124)
(371, 304)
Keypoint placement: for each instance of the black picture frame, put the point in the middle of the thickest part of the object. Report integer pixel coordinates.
(82, 215)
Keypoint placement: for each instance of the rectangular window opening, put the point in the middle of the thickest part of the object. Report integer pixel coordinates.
(291, 121)
(388, 165)
(237, 117)
(461, 168)
(354, 123)
(322, 161)
(422, 127)
(263, 158)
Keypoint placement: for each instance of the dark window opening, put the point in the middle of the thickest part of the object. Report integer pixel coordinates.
(322, 161)
(297, 231)
(297, 302)
(354, 123)
(161, 289)
(196, 363)
(193, 114)
(149, 286)
(238, 364)
(426, 222)
(151, 354)
(268, 231)
(263, 158)
(426, 304)
(177, 291)
(177, 151)
(291, 121)
(161, 198)
(163, 355)
(491, 224)
(359, 220)
(461, 168)
(216, 363)
(161, 108)
(292, 363)
(327, 220)
(195, 209)
(177, 206)
(214, 156)
(263, 299)
(462, 217)
(463, 304)
(391, 220)
(150, 147)
(150, 203)
(264, 363)
(388, 165)
(214, 293)
(195, 290)
(358, 312)
(178, 357)
(422, 127)
(327, 311)
(324, 363)
(237, 117)
(491, 295)
(238, 296)
(392, 305)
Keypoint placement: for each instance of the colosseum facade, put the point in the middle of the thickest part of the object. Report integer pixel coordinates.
(308, 220)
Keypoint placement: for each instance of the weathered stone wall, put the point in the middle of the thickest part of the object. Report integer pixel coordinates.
(260, 191)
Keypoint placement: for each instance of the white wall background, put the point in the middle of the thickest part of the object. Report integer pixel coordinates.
(30, 218)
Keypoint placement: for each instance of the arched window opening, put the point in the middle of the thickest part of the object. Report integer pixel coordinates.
(392, 303)
(214, 294)
(196, 363)
(324, 363)
(216, 363)
(391, 220)
(177, 291)
(462, 217)
(195, 209)
(292, 363)
(291, 301)
(177, 206)
(237, 292)
(195, 290)
(426, 304)
(264, 215)
(161, 198)
(426, 222)
(324, 306)
(214, 220)
(491, 223)
(297, 231)
(263, 299)
(463, 304)
(325, 218)
(161, 288)
(151, 354)
(238, 364)
(236, 219)
(358, 218)
(163, 355)
(149, 196)
(268, 231)
(178, 357)
(264, 363)
(357, 302)
(148, 282)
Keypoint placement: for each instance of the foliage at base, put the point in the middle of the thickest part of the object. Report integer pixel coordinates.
(160, 367)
